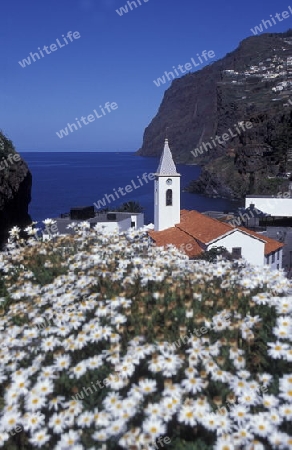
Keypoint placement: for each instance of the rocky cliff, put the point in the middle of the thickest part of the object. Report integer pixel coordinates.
(206, 113)
(15, 189)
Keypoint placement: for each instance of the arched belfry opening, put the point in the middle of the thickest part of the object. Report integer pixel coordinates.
(169, 197)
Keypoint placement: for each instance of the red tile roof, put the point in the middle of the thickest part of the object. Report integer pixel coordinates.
(178, 238)
(203, 228)
(196, 230)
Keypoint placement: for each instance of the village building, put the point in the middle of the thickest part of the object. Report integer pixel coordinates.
(196, 233)
(109, 220)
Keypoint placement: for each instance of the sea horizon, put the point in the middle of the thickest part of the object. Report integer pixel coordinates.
(63, 180)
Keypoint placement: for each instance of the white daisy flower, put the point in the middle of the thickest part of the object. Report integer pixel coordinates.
(58, 423)
(286, 411)
(78, 370)
(240, 413)
(278, 440)
(56, 403)
(116, 427)
(147, 386)
(33, 421)
(62, 362)
(153, 409)
(3, 437)
(261, 426)
(192, 384)
(270, 401)
(40, 438)
(69, 439)
(100, 436)
(187, 415)
(154, 427)
(249, 398)
(9, 420)
(34, 401)
(210, 421)
(85, 419)
(277, 349)
(242, 435)
(44, 387)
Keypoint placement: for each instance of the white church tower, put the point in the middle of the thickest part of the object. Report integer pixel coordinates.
(166, 192)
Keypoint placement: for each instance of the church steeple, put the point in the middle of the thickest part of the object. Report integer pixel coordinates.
(166, 192)
(166, 164)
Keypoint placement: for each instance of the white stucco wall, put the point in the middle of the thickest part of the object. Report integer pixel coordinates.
(110, 226)
(125, 224)
(138, 219)
(275, 206)
(166, 216)
(278, 259)
(251, 249)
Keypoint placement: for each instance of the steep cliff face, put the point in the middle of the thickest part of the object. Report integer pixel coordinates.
(252, 84)
(15, 189)
(188, 110)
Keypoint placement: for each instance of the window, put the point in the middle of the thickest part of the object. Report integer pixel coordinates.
(236, 252)
(273, 258)
(278, 256)
(278, 265)
(133, 224)
(268, 259)
(169, 197)
(111, 216)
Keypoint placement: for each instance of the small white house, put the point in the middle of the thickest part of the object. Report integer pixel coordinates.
(243, 245)
(111, 221)
(280, 206)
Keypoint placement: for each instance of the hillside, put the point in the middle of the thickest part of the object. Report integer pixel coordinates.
(15, 189)
(251, 84)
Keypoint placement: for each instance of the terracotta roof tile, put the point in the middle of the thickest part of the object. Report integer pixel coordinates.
(178, 238)
(196, 228)
(201, 227)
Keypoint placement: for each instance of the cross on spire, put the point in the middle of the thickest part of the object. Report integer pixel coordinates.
(166, 132)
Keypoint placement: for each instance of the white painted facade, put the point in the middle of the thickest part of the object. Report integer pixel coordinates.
(274, 260)
(122, 222)
(166, 192)
(277, 207)
(138, 220)
(166, 216)
(252, 248)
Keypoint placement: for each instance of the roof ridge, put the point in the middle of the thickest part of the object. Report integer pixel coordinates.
(200, 243)
(214, 220)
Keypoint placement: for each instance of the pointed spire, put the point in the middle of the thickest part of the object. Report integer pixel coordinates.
(166, 164)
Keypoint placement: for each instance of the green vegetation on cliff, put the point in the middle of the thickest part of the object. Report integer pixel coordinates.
(251, 84)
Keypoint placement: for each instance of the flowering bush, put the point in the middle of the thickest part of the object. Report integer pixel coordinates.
(109, 342)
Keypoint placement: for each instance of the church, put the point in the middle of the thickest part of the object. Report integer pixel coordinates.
(196, 233)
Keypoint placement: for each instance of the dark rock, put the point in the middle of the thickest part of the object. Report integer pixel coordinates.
(202, 106)
(15, 190)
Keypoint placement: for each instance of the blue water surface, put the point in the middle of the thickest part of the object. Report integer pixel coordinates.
(65, 180)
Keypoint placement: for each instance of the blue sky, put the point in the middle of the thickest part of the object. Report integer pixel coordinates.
(115, 59)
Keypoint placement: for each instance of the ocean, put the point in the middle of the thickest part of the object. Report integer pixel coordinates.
(64, 180)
